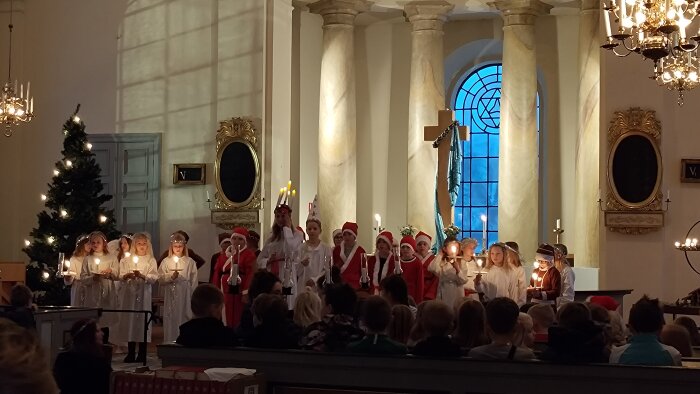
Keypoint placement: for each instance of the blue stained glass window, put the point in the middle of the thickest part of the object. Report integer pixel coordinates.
(478, 106)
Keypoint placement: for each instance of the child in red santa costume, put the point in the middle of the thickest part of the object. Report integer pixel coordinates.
(383, 262)
(412, 268)
(235, 289)
(348, 256)
(426, 256)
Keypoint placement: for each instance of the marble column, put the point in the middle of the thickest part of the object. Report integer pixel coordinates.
(337, 156)
(518, 173)
(426, 98)
(587, 215)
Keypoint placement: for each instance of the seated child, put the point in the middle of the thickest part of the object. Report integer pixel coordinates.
(272, 329)
(646, 321)
(206, 328)
(376, 317)
(501, 322)
(542, 318)
(437, 320)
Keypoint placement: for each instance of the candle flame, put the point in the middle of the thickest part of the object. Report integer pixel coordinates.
(97, 261)
(176, 259)
(127, 254)
(534, 276)
(136, 259)
(536, 264)
(483, 218)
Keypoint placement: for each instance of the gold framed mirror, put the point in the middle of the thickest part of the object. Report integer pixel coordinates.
(237, 167)
(634, 173)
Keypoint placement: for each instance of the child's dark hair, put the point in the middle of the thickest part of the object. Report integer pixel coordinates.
(341, 298)
(502, 315)
(646, 315)
(203, 297)
(262, 282)
(395, 286)
(376, 314)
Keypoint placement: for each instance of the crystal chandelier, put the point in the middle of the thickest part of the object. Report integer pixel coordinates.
(13, 108)
(656, 30)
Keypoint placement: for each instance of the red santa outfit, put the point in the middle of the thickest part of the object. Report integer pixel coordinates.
(349, 260)
(430, 280)
(412, 271)
(233, 303)
(379, 271)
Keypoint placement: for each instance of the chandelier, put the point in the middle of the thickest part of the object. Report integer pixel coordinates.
(14, 108)
(656, 30)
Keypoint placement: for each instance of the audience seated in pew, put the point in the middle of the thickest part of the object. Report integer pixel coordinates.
(542, 318)
(263, 282)
(272, 328)
(83, 368)
(576, 339)
(471, 326)
(678, 337)
(692, 328)
(501, 322)
(646, 321)
(375, 318)
(23, 363)
(22, 308)
(206, 328)
(438, 320)
(401, 323)
(337, 328)
(307, 308)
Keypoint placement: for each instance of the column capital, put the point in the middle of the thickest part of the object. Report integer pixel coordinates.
(521, 12)
(427, 14)
(590, 5)
(338, 12)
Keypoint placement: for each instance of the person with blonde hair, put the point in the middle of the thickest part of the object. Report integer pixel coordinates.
(401, 323)
(472, 268)
(568, 277)
(99, 271)
(515, 261)
(499, 280)
(75, 265)
(471, 326)
(677, 336)
(452, 270)
(138, 274)
(23, 363)
(307, 308)
(178, 274)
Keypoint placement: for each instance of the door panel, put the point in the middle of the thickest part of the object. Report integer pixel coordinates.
(132, 173)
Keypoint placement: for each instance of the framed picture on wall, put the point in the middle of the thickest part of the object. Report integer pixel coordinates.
(190, 174)
(690, 170)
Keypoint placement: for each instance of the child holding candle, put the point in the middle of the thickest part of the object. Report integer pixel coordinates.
(74, 269)
(283, 240)
(568, 278)
(99, 271)
(470, 265)
(312, 253)
(499, 281)
(348, 256)
(235, 290)
(515, 261)
(178, 274)
(546, 286)
(138, 271)
(426, 256)
(383, 262)
(451, 272)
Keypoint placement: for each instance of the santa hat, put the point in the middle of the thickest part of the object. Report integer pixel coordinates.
(387, 237)
(408, 241)
(240, 232)
(337, 232)
(350, 227)
(314, 211)
(423, 237)
(606, 302)
(545, 252)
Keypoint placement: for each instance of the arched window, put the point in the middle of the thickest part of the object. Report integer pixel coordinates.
(478, 105)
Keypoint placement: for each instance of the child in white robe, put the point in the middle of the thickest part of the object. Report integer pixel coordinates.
(313, 255)
(471, 267)
(515, 262)
(138, 271)
(498, 281)
(99, 271)
(568, 278)
(178, 274)
(451, 271)
(75, 268)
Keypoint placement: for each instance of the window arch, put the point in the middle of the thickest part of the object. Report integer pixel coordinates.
(477, 104)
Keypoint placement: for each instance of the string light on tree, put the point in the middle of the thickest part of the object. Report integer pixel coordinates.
(27, 242)
(88, 146)
(103, 218)
(76, 119)
(50, 240)
(69, 163)
(56, 172)
(43, 197)
(64, 213)
(45, 275)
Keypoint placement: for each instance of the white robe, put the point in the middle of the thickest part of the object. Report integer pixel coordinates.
(287, 246)
(176, 294)
(135, 294)
(77, 290)
(568, 278)
(317, 267)
(499, 282)
(472, 270)
(521, 284)
(450, 283)
(101, 293)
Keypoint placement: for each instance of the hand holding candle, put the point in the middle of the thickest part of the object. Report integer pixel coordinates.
(534, 280)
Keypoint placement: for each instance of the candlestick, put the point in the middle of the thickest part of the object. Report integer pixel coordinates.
(484, 221)
(558, 223)
(59, 268)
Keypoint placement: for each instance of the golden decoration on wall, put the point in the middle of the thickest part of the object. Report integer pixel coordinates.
(634, 198)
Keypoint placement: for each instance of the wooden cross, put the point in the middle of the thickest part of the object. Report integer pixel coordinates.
(430, 133)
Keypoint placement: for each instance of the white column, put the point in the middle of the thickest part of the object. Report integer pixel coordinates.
(518, 173)
(426, 97)
(587, 215)
(337, 172)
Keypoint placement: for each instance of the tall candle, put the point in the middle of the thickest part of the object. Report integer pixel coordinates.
(483, 235)
(558, 224)
(534, 279)
(608, 30)
(177, 262)
(208, 199)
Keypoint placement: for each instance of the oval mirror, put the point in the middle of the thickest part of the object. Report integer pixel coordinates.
(238, 172)
(635, 167)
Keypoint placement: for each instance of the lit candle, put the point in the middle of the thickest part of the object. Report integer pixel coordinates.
(279, 198)
(623, 12)
(127, 255)
(687, 242)
(453, 250)
(378, 219)
(483, 232)
(558, 224)
(97, 262)
(668, 194)
(536, 264)
(208, 199)
(677, 244)
(177, 262)
(534, 280)
(67, 264)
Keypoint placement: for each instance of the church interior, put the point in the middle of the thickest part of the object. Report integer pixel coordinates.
(340, 92)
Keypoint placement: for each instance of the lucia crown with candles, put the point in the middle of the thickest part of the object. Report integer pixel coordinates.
(286, 197)
(314, 211)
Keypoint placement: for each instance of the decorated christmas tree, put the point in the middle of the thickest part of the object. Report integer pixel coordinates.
(73, 207)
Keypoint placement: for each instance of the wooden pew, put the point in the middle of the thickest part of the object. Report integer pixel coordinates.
(288, 370)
